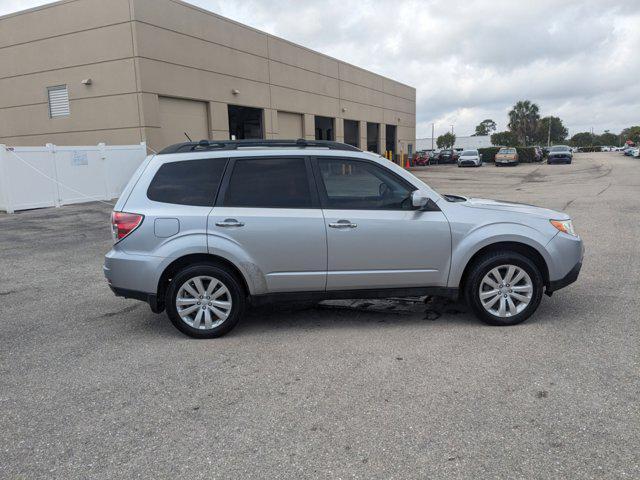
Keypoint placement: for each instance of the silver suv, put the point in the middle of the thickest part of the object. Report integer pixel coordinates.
(204, 229)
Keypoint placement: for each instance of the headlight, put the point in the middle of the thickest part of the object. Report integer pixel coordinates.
(564, 226)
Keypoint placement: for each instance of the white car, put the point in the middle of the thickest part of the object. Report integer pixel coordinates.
(470, 158)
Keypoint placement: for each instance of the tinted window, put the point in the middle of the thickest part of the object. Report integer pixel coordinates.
(269, 183)
(192, 182)
(469, 153)
(357, 185)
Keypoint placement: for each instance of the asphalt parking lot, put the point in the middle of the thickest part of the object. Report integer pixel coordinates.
(94, 386)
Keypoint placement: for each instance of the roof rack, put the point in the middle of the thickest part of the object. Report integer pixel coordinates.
(206, 145)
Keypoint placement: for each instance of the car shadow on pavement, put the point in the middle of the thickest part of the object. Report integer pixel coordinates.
(348, 313)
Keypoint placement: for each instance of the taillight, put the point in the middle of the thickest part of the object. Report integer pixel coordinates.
(123, 223)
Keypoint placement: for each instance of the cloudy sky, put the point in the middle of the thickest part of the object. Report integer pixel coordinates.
(472, 59)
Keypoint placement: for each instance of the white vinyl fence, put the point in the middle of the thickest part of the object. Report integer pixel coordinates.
(33, 177)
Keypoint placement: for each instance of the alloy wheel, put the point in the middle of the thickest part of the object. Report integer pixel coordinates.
(203, 302)
(506, 291)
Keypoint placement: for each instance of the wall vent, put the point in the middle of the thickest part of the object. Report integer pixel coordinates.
(58, 101)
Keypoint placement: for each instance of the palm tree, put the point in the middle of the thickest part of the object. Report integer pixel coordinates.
(523, 121)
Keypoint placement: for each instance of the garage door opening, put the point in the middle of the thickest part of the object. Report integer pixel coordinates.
(324, 128)
(245, 122)
(373, 135)
(352, 133)
(390, 135)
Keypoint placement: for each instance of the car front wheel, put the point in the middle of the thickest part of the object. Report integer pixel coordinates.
(504, 288)
(205, 301)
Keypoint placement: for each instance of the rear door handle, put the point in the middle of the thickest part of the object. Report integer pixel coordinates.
(343, 224)
(230, 222)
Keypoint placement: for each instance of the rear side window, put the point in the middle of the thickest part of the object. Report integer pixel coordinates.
(269, 183)
(191, 182)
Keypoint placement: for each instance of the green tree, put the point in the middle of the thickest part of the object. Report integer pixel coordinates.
(608, 138)
(582, 139)
(504, 139)
(558, 131)
(485, 127)
(447, 140)
(631, 133)
(523, 121)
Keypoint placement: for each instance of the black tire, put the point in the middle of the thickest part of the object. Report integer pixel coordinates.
(487, 263)
(229, 280)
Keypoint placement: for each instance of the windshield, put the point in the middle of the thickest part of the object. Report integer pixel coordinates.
(560, 148)
(469, 153)
(507, 150)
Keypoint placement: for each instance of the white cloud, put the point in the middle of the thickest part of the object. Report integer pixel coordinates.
(472, 59)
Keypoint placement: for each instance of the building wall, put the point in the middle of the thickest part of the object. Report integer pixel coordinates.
(138, 50)
(64, 44)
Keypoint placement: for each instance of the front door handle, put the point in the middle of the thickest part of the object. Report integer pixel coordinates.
(343, 224)
(230, 222)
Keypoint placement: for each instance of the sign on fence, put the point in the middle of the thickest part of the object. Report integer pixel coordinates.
(33, 177)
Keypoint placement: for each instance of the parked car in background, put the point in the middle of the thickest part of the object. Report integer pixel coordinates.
(635, 152)
(506, 156)
(421, 158)
(560, 154)
(628, 151)
(470, 158)
(447, 156)
(203, 230)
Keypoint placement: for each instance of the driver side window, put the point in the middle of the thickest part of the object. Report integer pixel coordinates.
(359, 185)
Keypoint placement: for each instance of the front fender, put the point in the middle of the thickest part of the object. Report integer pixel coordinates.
(468, 245)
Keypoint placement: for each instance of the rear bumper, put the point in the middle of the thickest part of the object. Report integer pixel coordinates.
(133, 276)
(149, 298)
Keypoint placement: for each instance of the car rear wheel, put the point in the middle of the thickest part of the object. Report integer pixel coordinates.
(504, 288)
(205, 301)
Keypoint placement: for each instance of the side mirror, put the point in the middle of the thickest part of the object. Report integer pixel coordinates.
(419, 199)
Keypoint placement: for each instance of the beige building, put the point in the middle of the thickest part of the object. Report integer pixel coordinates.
(80, 72)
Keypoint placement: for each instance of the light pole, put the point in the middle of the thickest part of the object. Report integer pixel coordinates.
(433, 127)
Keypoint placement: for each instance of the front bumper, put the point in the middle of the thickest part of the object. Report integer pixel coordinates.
(568, 279)
(558, 159)
(566, 256)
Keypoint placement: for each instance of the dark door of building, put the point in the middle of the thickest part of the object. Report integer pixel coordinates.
(373, 137)
(352, 133)
(324, 128)
(390, 136)
(245, 122)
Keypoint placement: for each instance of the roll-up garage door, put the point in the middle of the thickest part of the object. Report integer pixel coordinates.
(289, 125)
(178, 116)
